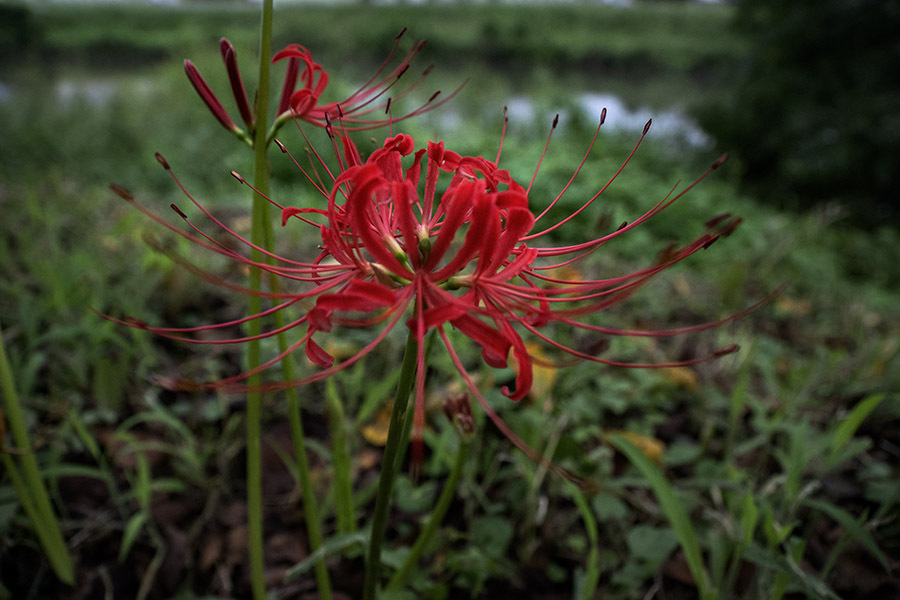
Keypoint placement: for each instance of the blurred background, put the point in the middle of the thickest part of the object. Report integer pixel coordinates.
(803, 95)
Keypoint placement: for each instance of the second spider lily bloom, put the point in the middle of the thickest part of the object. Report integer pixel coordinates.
(304, 103)
(356, 112)
(396, 250)
(212, 102)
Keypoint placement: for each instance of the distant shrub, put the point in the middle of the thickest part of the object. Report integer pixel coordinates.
(18, 28)
(815, 113)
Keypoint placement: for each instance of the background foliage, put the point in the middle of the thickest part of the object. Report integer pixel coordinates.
(783, 458)
(815, 109)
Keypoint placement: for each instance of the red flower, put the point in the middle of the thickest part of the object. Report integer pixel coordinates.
(467, 258)
(304, 103)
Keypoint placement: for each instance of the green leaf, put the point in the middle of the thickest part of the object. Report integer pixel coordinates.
(87, 439)
(847, 428)
(132, 529)
(337, 543)
(492, 534)
(414, 498)
(775, 533)
(749, 518)
(853, 527)
(674, 511)
(168, 485)
(343, 480)
(75, 470)
(651, 544)
(608, 508)
(587, 586)
(159, 414)
(790, 571)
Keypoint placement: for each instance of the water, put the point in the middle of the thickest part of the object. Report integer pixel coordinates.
(669, 123)
(673, 123)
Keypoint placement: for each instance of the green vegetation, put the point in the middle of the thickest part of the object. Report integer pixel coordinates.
(778, 476)
(815, 106)
(648, 36)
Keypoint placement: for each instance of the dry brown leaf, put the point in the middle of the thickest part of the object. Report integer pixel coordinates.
(376, 431)
(794, 306)
(544, 375)
(651, 447)
(683, 377)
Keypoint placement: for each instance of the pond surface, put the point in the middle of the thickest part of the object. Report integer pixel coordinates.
(623, 114)
(667, 123)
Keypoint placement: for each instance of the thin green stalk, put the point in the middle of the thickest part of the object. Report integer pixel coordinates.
(257, 236)
(32, 492)
(674, 510)
(408, 423)
(434, 520)
(389, 469)
(592, 566)
(262, 236)
(22, 491)
(310, 514)
(343, 483)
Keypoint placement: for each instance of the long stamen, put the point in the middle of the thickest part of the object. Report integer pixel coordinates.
(543, 153)
(502, 135)
(530, 452)
(575, 174)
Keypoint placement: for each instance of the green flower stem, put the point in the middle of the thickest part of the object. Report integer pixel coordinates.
(408, 423)
(343, 483)
(437, 515)
(31, 490)
(262, 236)
(395, 440)
(257, 235)
(310, 514)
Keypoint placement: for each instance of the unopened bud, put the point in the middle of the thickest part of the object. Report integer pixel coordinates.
(458, 409)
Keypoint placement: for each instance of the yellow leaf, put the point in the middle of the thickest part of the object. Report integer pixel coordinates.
(376, 431)
(682, 286)
(794, 306)
(340, 349)
(651, 447)
(566, 273)
(683, 377)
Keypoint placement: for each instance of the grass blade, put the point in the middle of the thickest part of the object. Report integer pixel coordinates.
(592, 569)
(853, 527)
(343, 483)
(43, 518)
(674, 511)
(847, 428)
(132, 529)
(335, 544)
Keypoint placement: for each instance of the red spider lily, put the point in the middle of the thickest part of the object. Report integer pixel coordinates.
(467, 258)
(304, 103)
